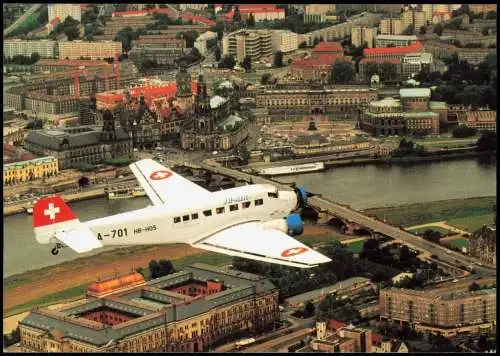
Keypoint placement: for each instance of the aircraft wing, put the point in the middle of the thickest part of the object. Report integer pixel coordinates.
(79, 239)
(164, 185)
(253, 241)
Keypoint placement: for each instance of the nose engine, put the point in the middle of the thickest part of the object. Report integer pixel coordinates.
(294, 224)
(301, 197)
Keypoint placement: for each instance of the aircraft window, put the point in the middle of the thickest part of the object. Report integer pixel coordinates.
(207, 213)
(219, 210)
(246, 204)
(233, 207)
(185, 218)
(259, 202)
(194, 216)
(272, 195)
(177, 219)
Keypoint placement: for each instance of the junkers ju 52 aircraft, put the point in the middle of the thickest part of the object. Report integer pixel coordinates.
(254, 221)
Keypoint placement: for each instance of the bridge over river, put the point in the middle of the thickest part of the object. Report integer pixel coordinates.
(352, 216)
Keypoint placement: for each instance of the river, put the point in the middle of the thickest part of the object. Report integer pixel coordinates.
(360, 187)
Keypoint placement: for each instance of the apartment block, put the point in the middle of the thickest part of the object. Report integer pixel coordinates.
(93, 50)
(362, 35)
(284, 41)
(391, 26)
(64, 10)
(440, 311)
(45, 48)
(253, 43)
(395, 40)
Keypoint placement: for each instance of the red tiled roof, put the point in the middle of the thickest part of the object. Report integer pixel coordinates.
(165, 10)
(132, 12)
(8, 148)
(71, 62)
(440, 13)
(253, 9)
(328, 47)
(380, 60)
(188, 16)
(335, 325)
(109, 285)
(414, 47)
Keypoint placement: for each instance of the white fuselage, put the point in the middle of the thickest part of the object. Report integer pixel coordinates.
(179, 222)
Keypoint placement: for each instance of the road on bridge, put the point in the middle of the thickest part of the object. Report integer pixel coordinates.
(451, 257)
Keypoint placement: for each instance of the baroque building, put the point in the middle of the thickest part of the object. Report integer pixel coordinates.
(213, 125)
(188, 311)
(482, 245)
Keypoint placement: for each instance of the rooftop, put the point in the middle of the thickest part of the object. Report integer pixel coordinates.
(200, 19)
(328, 47)
(415, 93)
(397, 37)
(320, 61)
(380, 60)
(414, 47)
(72, 62)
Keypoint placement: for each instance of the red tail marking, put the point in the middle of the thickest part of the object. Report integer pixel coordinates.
(159, 175)
(293, 251)
(50, 211)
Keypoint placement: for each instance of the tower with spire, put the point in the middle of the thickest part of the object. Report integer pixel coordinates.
(184, 96)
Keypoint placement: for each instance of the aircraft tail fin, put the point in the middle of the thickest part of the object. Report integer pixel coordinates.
(54, 220)
(50, 215)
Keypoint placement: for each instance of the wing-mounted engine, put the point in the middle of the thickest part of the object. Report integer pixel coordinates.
(291, 225)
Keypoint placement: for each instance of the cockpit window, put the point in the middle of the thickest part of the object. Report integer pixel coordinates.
(273, 195)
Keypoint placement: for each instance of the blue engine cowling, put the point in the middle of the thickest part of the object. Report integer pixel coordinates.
(301, 197)
(294, 224)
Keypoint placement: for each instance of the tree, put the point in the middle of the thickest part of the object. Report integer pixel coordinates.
(217, 53)
(474, 286)
(404, 253)
(464, 131)
(154, 269)
(237, 15)
(278, 59)
(265, 78)
(487, 141)
(342, 72)
(165, 267)
(35, 57)
(251, 20)
(486, 31)
(423, 30)
(388, 72)
(370, 68)
(309, 309)
(247, 63)
(438, 29)
(227, 62)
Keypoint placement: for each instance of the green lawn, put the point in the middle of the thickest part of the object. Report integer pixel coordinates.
(311, 240)
(355, 247)
(210, 258)
(421, 230)
(472, 223)
(64, 295)
(457, 243)
(423, 213)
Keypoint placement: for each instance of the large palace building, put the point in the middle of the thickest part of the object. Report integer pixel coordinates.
(187, 311)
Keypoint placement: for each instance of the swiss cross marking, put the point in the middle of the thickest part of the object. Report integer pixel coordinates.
(159, 175)
(51, 211)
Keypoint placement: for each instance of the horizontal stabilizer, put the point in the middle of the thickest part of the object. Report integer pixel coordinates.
(80, 239)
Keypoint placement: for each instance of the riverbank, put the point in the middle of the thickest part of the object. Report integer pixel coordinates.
(68, 197)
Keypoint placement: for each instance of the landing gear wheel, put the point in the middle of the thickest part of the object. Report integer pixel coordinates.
(55, 251)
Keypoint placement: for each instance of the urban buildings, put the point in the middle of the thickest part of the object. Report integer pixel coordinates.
(414, 63)
(391, 26)
(66, 65)
(62, 11)
(158, 48)
(472, 55)
(328, 48)
(481, 119)
(77, 145)
(214, 125)
(341, 100)
(25, 171)
(198, 7)
(395, 40)
(363, 35)
(253, 43)
(393, 52)
(319, 13)
(315, 69)
(260, 12)
(445, 312)
(187, 311)
(201, 41)
(482, 245)
(284, 41)
(483, 8)
(89, 50)
(15, 47)
(411, 114)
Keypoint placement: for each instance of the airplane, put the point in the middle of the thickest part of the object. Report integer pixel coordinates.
(254, 221)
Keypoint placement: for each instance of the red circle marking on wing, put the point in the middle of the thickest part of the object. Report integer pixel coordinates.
(159, 175)
(293, 251)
